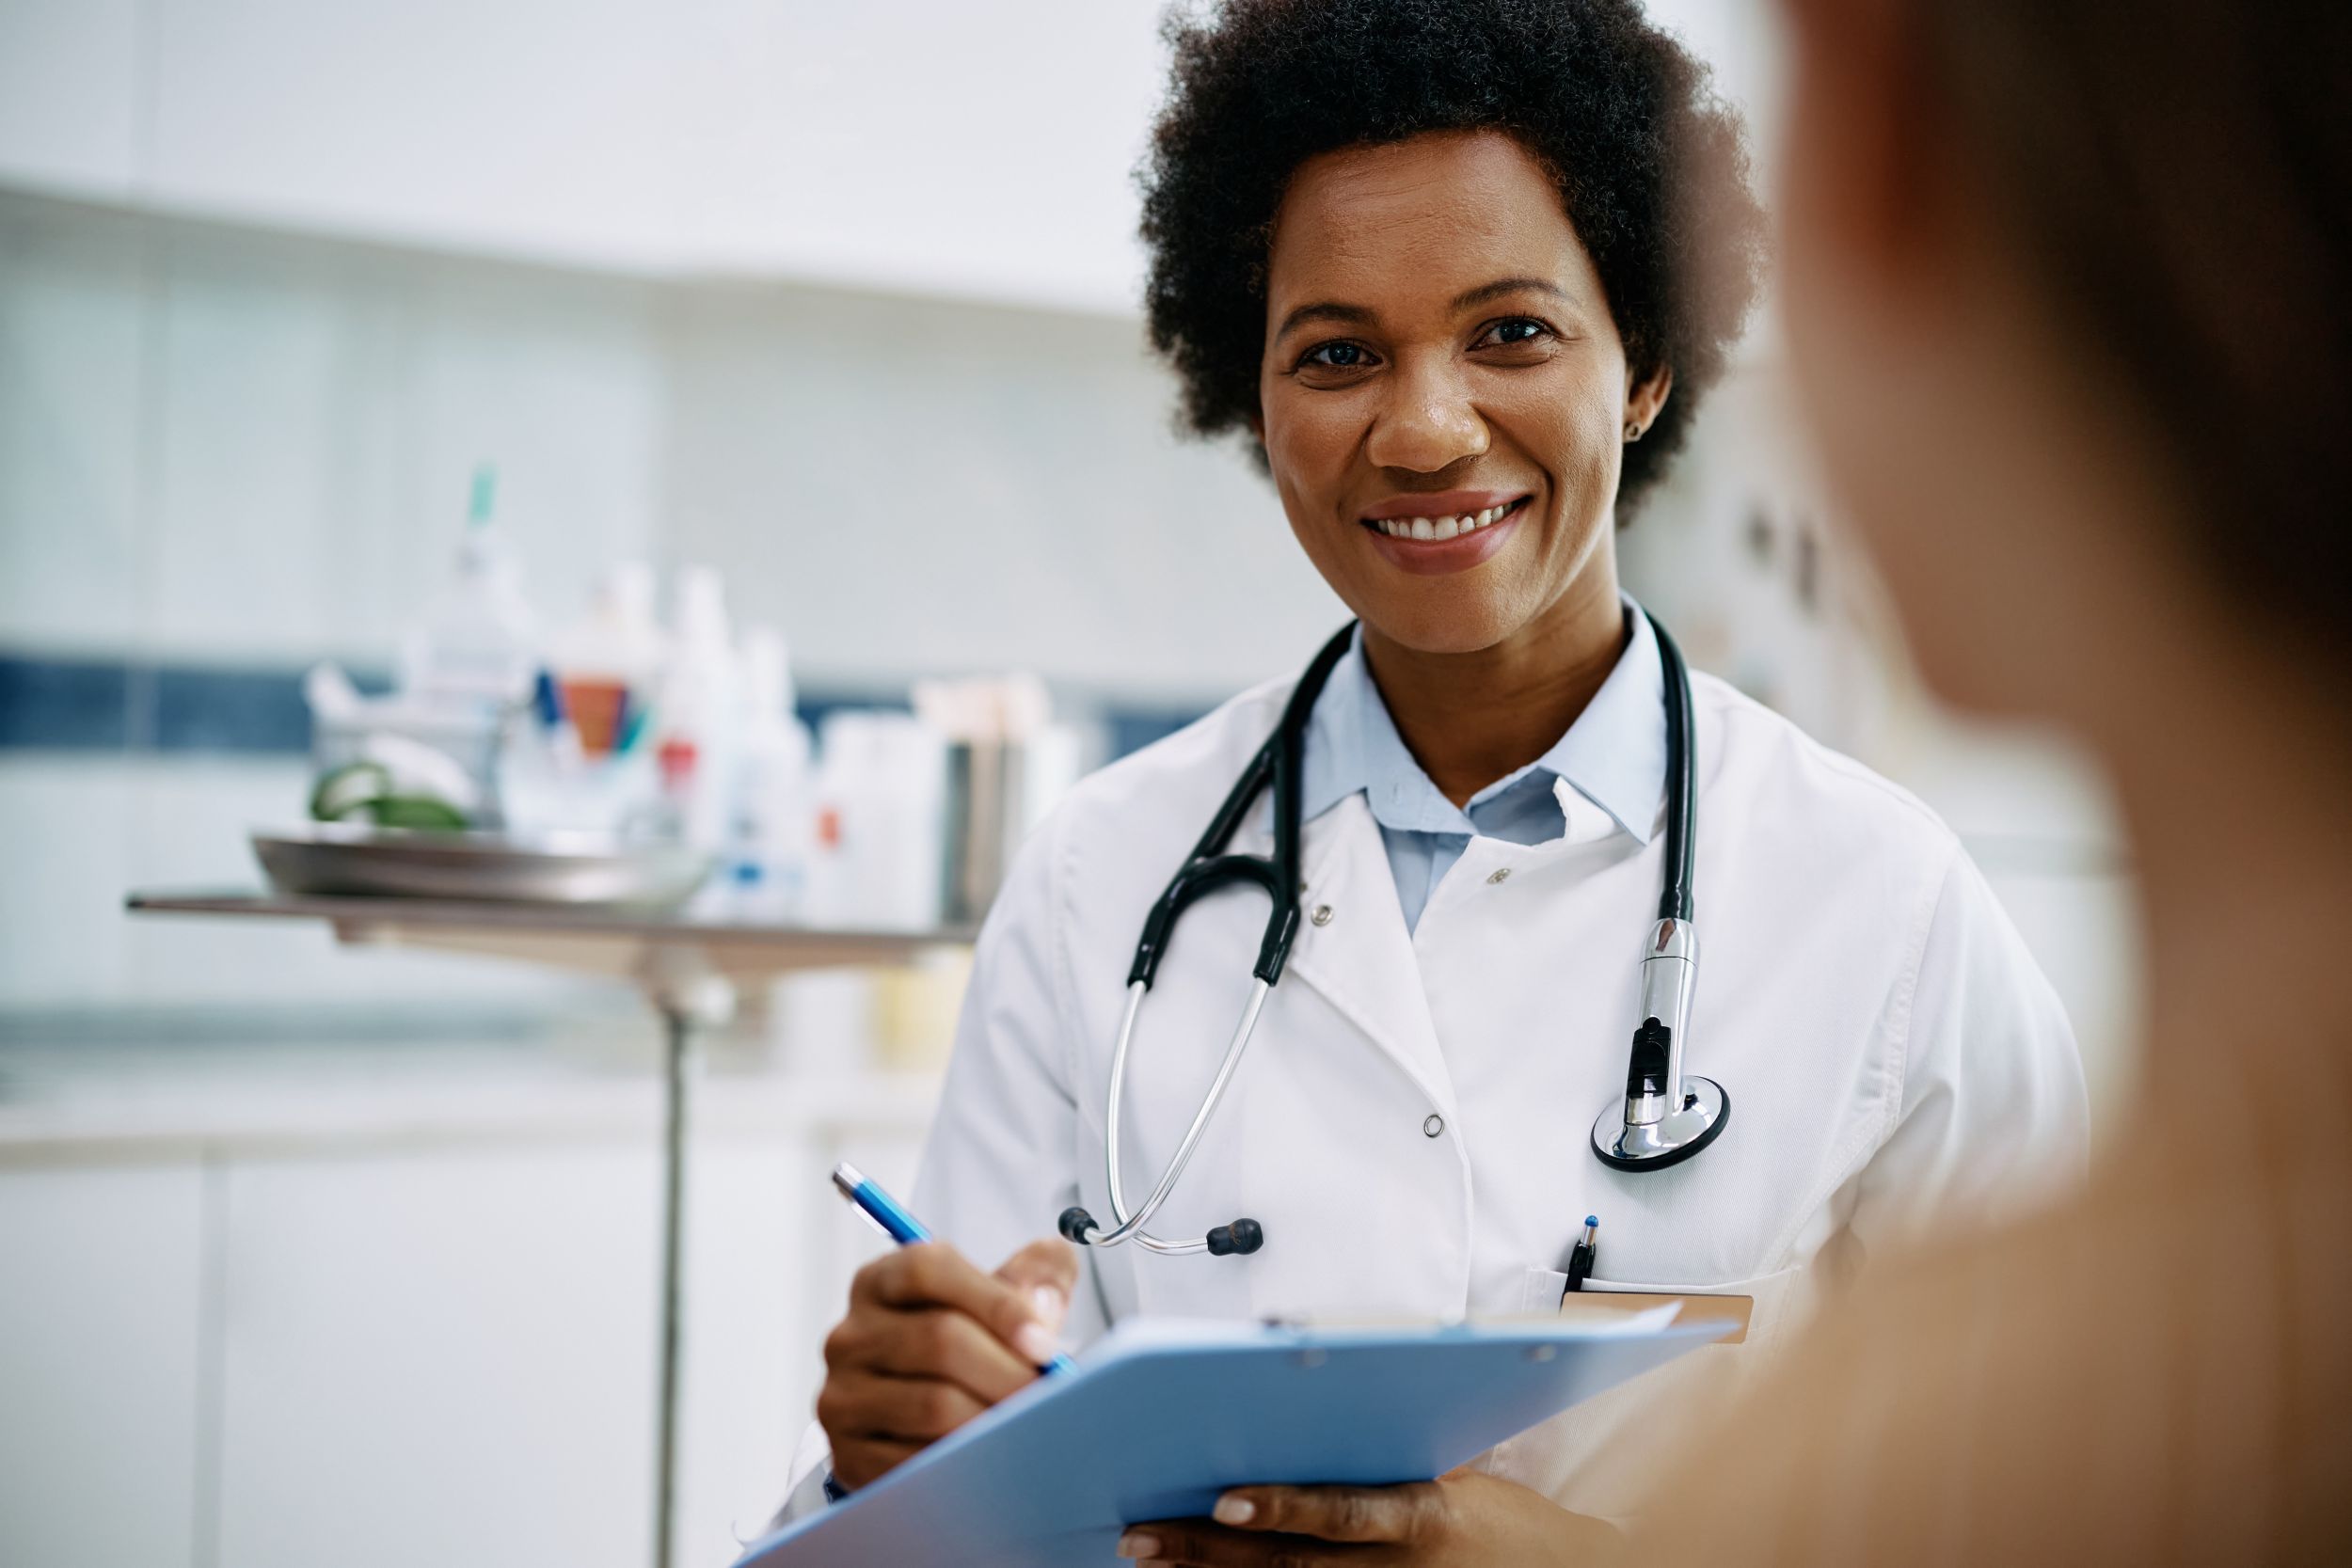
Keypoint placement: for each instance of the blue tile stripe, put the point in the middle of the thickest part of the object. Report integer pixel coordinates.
(64, 704)
(130, 705)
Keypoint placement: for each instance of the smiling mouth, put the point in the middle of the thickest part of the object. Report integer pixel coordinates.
(1442, 527)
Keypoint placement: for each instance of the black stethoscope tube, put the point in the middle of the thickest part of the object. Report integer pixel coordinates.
(1675, 899)
(1279, 762)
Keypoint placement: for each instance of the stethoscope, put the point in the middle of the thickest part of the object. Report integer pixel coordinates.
(1666, 1116)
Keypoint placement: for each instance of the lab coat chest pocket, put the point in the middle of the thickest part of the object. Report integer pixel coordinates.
(1604, 1456)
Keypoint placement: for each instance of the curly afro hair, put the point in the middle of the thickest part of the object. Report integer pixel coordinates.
(1650, 167)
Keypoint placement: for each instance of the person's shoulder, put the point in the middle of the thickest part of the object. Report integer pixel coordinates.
(1777, 767)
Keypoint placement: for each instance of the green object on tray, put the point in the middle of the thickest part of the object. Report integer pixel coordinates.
(363, 792)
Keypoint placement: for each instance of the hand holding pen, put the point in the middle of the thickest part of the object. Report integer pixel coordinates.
(930, 1341)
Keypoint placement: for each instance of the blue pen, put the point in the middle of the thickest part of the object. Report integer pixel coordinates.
(900, 1227)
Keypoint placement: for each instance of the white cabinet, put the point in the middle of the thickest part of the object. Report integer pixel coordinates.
(103, 1390)
(411, 1345)
(440, 1356)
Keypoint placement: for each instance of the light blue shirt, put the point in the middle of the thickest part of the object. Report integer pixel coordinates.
(1614, 754)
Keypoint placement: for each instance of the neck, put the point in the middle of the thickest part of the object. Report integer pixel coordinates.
(2235, 806)
(1472, 718)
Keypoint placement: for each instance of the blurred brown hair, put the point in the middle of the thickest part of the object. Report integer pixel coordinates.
(2178, 175)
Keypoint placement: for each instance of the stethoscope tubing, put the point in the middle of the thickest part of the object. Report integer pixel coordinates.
(1279, 763)
(1132, 1226)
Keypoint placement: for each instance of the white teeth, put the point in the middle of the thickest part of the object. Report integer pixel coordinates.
(1441, 528)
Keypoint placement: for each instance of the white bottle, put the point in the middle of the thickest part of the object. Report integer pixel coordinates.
(472, 651)
(697, 717)
(775, 802)
(882, 798)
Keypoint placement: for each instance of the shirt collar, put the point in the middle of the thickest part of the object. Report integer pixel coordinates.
(1614, 754)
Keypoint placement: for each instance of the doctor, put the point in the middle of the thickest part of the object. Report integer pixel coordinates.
(1375, 251)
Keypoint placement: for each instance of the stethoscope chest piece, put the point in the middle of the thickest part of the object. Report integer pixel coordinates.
(1672, 1138)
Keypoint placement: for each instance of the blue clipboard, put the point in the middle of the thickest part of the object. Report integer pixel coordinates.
(1163, 1416)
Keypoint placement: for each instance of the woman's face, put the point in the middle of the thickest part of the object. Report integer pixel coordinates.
(1443, 394)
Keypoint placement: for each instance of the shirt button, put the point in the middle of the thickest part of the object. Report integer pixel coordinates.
(1323, 914)
(1432, 1125)
(1502, 875)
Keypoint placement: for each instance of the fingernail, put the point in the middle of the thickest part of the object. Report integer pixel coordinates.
(1035, 1341)
(1050, 1306)
(1232, 1509)
(1138, 1544)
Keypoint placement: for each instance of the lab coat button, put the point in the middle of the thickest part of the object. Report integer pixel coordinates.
(1323, 914)
(1432, 1125)
(1503, 875)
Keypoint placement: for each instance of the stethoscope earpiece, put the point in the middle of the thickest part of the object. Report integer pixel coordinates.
(1242, 1237)
(1239, 1239)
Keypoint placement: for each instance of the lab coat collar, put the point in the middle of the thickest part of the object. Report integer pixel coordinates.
(1614, 754)
(1354, 950)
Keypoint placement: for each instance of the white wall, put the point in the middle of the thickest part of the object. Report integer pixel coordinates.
(693, 137)
(911, 486)
(236, 447)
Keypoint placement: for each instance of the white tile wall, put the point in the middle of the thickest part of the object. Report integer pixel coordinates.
(230, 445)
(71, 92)
(65, 842)
(71, 321)
(911, 486)
(239, 445)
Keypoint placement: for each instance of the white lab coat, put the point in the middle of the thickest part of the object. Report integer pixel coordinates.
(1411, 1123)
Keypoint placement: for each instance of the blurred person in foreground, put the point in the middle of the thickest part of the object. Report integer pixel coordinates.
(2067, 288)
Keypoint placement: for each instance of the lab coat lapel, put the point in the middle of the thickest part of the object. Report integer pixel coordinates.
(1361, 959)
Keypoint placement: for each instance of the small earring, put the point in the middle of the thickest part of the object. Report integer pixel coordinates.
(1633, 431)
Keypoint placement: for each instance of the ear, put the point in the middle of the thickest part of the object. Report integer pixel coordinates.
(1647, 398)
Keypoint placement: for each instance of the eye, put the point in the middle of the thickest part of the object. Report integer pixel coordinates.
(1340, 355)
(1513, 332)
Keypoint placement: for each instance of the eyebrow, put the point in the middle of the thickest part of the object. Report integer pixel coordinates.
(1357, 315)
(1503, 286)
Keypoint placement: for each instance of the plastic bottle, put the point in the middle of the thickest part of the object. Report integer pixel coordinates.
(608, 662)
(775, 802)
(698, 715)
(881, 796)
(472, 651)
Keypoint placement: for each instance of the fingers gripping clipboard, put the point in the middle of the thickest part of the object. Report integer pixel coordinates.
(1162, 1417)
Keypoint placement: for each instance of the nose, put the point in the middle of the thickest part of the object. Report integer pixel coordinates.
(1427, 422)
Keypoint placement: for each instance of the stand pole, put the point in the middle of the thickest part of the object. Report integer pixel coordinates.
(680, 1032)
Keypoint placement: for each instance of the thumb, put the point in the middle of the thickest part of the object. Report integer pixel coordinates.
(1044, 1272)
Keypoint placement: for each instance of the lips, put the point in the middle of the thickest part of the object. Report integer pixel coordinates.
(1435, 535)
